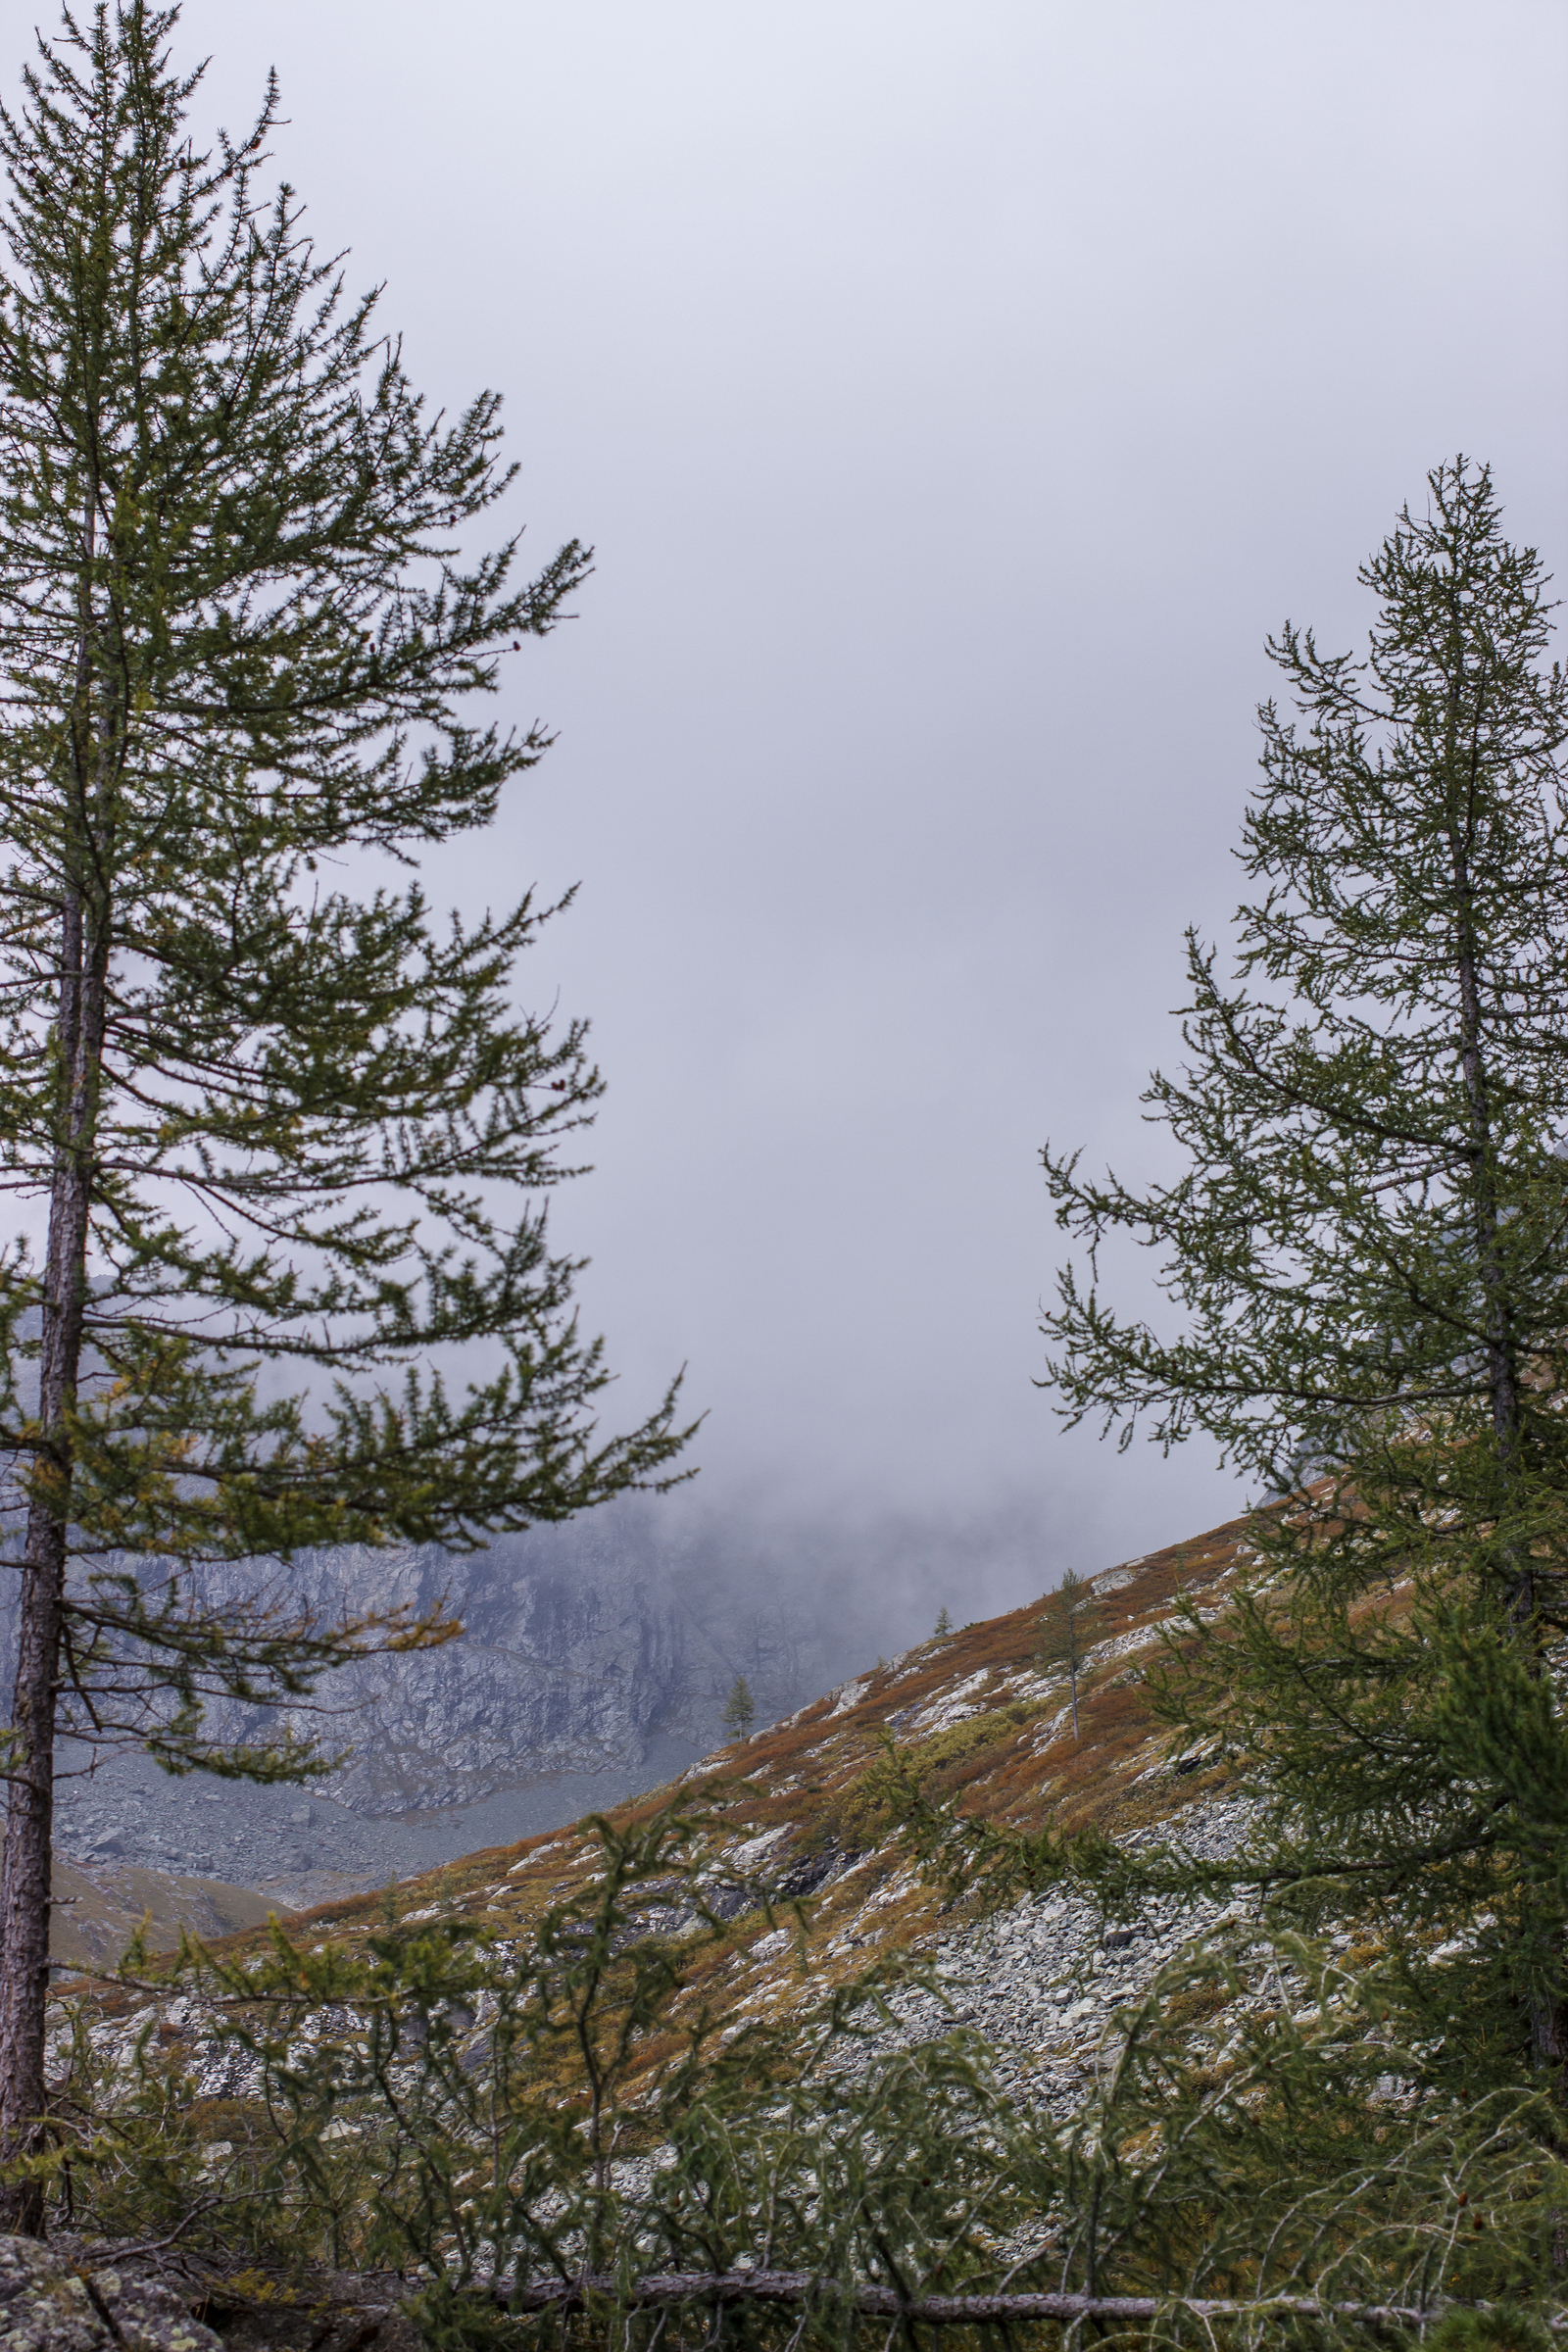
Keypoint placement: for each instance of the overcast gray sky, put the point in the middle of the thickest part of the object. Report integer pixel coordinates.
(956, 395)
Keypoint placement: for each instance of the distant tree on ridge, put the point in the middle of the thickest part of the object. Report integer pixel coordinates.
(740, 1709)
(1071, 1621)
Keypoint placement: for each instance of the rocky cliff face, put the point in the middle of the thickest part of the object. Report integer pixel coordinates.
(594, 1657)
(570, 1658)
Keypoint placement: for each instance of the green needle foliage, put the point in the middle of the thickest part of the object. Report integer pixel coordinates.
(1368, 1256)
(528, 2127)
(287, 1130)
(740, 1709)
(1070, 1623)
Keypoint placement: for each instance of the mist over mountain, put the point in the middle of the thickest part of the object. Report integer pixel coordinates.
(588, 1645)
(595, 1659)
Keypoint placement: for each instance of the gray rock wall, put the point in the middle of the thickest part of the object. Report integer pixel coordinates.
(570, 1658)
(585, 1648)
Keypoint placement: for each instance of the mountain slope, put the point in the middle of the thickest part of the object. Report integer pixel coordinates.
(793, 1802)
(97, 1912)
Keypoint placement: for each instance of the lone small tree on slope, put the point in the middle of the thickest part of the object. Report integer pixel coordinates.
(1069, 1623)
(288, 1131)
(740, 1709)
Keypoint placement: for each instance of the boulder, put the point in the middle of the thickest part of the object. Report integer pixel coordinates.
(48, 2305)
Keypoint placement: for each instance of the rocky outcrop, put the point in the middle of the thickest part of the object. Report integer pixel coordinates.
(596, 1658)
(74, 2295)
(1044, 1981)
(47, 2304)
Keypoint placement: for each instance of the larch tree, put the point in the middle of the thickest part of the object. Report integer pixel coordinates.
(1368, 1252)
(740, 1709)
(287, 1133)
(1069, 1623)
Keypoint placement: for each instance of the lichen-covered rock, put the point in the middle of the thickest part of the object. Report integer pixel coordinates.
(48, 2306)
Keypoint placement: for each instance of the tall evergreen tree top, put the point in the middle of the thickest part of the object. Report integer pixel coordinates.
(238, 635)
(1371, 1227)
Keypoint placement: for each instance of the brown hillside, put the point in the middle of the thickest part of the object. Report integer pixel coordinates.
(991, 1726)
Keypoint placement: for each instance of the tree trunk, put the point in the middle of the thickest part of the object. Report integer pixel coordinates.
(24, 1881)
(1503, 1370)
(1548, 2040)
(25, 1868)
(24, 1875)
(1547, 2011)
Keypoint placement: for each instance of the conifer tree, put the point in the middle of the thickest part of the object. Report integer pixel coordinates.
(1367, 1253)
(287, 1133)
(740, 1709)
(1070, 1620)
